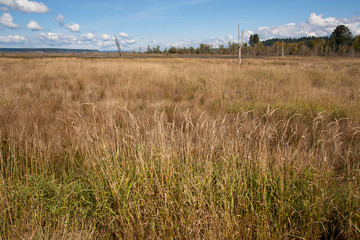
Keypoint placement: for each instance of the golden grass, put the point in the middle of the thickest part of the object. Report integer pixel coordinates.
(179, 148)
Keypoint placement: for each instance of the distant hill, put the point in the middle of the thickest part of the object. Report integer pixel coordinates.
(47, 50)
(270, 42)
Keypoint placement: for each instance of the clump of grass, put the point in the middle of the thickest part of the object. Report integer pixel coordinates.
(179, 148)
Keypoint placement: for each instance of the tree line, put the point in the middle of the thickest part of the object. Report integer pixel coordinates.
(340, 43)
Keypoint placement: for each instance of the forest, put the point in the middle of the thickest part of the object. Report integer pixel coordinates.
(340, 43)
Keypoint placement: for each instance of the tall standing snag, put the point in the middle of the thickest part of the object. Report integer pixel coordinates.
(118, 45)
(240, 43)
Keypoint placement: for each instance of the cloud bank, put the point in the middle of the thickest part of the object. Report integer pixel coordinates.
(12, 39)
(316, 25)
(88, 40)
(26, 6)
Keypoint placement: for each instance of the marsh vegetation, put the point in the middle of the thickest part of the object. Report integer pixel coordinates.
(179, 148)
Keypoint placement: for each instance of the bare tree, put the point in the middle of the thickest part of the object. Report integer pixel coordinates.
(118, 45)
(240, 42)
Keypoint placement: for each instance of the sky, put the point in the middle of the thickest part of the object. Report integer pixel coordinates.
(92, 24)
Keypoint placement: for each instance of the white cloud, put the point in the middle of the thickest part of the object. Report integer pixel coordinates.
(72, 27)
(128, 42)
(153, 43)
(318, 20)
(7, 20)
(106, 42)
(124, 35)
(12, 39)
(215, 42)
(34, 26)
(51, 39)
(105, 37)
(316, 25)
(26, 6)
(50, 36)
(88, 40)
(88, 36)
(4, 9)
(230, 38)
(60, 18)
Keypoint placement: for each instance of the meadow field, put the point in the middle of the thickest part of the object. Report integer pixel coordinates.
(168, 148)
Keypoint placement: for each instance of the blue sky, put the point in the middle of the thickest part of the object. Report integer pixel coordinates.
(138, 23)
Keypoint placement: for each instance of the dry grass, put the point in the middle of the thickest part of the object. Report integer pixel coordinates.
(180, 148)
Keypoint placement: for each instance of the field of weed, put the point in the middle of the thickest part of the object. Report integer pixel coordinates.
(179, 148)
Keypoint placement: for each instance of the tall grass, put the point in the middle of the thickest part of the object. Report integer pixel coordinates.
(179, 148)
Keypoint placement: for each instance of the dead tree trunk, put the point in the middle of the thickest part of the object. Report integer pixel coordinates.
(240, 42)
(118, 45)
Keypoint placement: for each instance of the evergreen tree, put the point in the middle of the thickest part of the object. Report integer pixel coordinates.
(254, 39)
(340, 36)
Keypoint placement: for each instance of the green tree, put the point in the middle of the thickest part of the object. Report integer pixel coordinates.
(233, 48)
(197, 51)
(191, 50)
(317, 46)
(204, 48)
(221, 49)
(260, 49)
(172, 50)
(156, 49)
(356, 43)
(302, 48)
(277, 48)
(254, 39)
(149, 50)
(340, 36)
